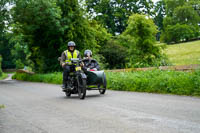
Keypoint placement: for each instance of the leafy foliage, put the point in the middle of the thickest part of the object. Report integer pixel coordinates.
(5, 51)
(180, 32)
(4, 47)
(115, 54)
(159, 14)
(55, 78)
(159, 9)
(181, 23)
(114, 14)
(38, 31)
(20, 51)
(155, 81)
(42, 29)
(140, 34)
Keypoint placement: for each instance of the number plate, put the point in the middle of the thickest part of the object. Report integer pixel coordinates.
(78, 68)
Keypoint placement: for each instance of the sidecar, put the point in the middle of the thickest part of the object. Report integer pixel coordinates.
(96, 80)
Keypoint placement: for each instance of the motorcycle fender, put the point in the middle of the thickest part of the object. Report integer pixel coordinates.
(83, 76)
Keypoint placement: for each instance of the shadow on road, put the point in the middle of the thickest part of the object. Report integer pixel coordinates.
(89, 96)
(7, 81)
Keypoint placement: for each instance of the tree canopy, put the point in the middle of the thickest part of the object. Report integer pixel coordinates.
(121, 33)
(114, 14)
(181, 22)
(45, 26)
(4, 39)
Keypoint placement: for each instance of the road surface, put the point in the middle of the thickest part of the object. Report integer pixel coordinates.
(43, 108)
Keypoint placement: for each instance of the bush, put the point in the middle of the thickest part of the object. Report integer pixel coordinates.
(178, 33)
(55, 78)
(19, 64)
(115, 54)
(155, 81)
(140, 36)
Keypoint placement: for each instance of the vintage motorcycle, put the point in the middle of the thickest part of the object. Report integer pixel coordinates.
(79, 81)
(76, 80)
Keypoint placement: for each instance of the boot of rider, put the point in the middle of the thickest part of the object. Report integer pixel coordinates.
(64, 85)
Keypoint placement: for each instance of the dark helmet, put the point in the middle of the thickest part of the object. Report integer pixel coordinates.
(71, 44)
(88, 52)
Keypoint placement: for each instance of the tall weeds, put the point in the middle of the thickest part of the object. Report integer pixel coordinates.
(155, 81)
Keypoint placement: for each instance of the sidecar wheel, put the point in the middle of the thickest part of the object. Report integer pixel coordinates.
(102, 91)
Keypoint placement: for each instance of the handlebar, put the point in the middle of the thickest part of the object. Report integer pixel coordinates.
(75, 60)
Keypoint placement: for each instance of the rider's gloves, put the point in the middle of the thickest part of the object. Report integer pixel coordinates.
(94, 69)
(69, 63)
(63, 64)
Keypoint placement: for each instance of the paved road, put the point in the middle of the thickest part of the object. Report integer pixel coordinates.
(43, 108)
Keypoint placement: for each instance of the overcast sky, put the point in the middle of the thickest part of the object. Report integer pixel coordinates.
(154, 1)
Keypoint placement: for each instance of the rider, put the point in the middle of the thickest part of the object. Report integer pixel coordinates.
(89, 62)
(66, 62)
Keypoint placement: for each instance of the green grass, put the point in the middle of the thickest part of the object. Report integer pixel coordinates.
(155, 81)
(184, 53)
(54, 78)
(3, 76)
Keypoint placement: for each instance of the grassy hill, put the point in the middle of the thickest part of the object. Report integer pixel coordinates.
(184, 53)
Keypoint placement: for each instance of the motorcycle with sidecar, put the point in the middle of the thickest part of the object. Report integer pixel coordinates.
(79, 81)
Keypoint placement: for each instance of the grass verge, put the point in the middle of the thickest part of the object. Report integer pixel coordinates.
(54, 78)
(3, 76)
(184, 53)
(155, 81)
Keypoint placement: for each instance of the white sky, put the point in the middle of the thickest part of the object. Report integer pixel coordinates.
(155, 1)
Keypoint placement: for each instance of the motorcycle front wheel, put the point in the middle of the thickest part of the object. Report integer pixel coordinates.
(81, 87)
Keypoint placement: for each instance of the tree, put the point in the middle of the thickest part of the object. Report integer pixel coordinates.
(196, 5)
(4, 45)
(43, 27)
(38, 21)
(159, 11)
(179, 32)
(76, 26)
(113, 14)
(115, 54)
(186, 15)
(181, 22)
(171, 5)
(20, 51)
(140, 34)
(4, 15)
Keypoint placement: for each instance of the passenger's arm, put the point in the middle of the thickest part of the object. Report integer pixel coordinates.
(97, 65)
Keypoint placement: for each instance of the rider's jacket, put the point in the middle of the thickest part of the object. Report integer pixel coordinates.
(67, 55)
(90, 63)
